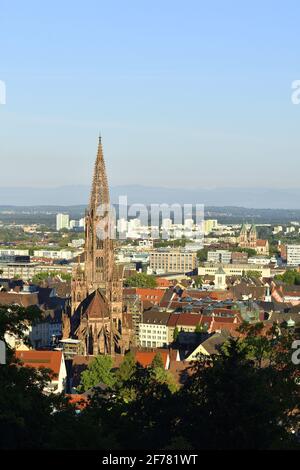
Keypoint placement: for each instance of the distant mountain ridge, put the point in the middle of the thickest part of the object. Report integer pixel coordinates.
(260, 198)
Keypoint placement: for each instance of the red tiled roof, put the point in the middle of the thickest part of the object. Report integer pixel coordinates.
(79, 400)
(221, 325)
(234, 319)
(206, 319)
(152, 295)
(162, 282)
(261, 242)
(37, 359)
(145, 358)
(24, 300)
(184, 319)
(189, 319)
(228, 311)
(173, 318)
(215, 295)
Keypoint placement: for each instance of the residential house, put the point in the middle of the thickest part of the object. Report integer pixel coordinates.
(53, 360)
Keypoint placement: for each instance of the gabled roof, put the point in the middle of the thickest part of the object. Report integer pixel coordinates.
(94, 305)
(184, 319)
(220, 270)
(44, 294)
(155, 317)
(19, 298)
(145, 358)
(37, 359)
(261, 243)
(228, 320)
(213, 343)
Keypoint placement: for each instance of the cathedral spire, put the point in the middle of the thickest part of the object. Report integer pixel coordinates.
(100, 191)
(101, 276)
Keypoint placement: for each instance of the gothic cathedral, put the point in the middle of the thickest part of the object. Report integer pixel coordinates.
(96, 316)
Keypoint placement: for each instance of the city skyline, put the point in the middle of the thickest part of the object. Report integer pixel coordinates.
(149, 230)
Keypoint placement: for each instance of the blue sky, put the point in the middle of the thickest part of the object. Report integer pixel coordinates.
(186, 94)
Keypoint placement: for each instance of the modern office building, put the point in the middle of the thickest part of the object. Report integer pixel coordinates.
(219, 256)
(172, 261)
(293, 255)
(62, 221)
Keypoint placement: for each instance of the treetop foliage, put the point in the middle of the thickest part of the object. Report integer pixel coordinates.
(244, 397)
(141, 280)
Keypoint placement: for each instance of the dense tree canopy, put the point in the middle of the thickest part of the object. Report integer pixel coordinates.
(244, 397)
(141, 280)
(290, 277)
(98, 371)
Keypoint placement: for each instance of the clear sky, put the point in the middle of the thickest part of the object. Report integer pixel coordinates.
(185, 93)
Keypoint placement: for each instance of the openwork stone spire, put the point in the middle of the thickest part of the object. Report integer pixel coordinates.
(99, 245)
(100, 191)
(97, 292)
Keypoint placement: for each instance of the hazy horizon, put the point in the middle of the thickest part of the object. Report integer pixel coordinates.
(256, 198)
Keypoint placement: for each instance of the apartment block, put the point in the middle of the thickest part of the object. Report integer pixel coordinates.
(219, 256)
(293, 255)
(172, 261)
(153, 330)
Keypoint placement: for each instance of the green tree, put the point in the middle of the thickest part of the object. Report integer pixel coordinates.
(157, 361)
(290, 277)
(250, 251)
(202, 255)
(198, 281)
(176, 243)
(142, 421)
(165, 377)
(98, 371)
(16, 321)
(175, 334)
(126, 369)
(245, 405)
(38, 278)
(161, 375)
(27, 415)
(252, 274)
(141, 280)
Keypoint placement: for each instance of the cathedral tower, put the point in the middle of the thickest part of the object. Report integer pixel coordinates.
(97, 304)
(98, 243)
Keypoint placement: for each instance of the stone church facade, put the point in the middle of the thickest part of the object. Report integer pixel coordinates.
(96, 316)
(249, 239)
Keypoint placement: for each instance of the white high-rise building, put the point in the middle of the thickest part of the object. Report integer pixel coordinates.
(210, 225)
(82, 222)
(188, 224)
(73, 223)
(293, 255)
(166, 224)
(62, 221)
(122, 225)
